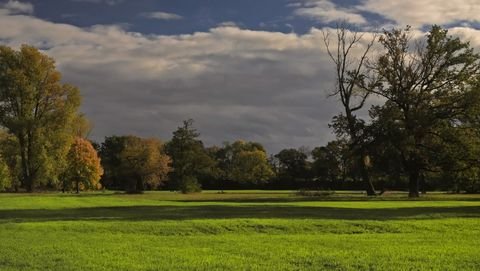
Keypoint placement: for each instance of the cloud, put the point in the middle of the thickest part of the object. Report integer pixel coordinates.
(236, 83)
(327, 12)
(161, 15)
(425, 12)
(17, 7)
(108, 2)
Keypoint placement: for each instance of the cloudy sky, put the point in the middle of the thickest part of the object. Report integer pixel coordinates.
(243, 69)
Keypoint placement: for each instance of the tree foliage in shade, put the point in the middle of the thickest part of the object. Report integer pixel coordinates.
(143, 164)
(330, 162)
(190, 160)
(110, 151)
(84, 169)
(425, 84)
(293, 164)
(38, 110)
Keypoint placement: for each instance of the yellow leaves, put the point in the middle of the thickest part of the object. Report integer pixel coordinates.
(84, 164)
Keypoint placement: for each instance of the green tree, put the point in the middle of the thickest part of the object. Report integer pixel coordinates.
(110, 151)
(84, 169)
(246, 162)
(189, 159)
(424, 85)
(143, 164)
(5, 176)
(38, 110)
(331, 162)
(293, 164)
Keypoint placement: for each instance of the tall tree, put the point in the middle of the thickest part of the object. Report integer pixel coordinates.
(352, 84)
(38, 109)
(424, 83)
(189, 159)
(110, 151)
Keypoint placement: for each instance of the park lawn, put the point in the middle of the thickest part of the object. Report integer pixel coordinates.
(242, 230)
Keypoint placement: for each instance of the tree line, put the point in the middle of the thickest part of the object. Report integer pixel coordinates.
(422, 133)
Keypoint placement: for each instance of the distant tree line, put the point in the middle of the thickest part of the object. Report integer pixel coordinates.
(423, 133)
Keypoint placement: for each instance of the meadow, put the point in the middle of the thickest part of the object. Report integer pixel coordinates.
(238, 230)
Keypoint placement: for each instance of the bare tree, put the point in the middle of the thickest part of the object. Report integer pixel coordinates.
(350, 56)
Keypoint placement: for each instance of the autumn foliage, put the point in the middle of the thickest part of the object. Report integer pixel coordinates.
(84, 169)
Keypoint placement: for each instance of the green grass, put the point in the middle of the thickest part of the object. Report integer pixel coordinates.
(241, 230)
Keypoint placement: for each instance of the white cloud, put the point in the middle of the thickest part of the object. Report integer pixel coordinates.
(327, 12)
(159, 15)
(17, 7)
(425, 12)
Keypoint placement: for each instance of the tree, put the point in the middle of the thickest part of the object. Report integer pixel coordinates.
(38, 110)
(143, 164)
(247, 162)
(5, 176)
(189, 159)
(10, 158)
(330, 162)
(352, 84)
(293, 164)
(110, 151)
(84, 167)
(424, 85)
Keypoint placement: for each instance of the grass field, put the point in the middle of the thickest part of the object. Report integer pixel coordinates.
(243, 230)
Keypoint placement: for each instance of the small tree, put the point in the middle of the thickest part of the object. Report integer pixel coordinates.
(84, 167)
(245, 162)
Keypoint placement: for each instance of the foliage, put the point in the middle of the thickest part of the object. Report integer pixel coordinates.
(5, 176)
(293, 164)
(38, 110)
(189, 159)
(110, 151)
(425, 86)
(245, 162)
(143, 164)
(84, 168)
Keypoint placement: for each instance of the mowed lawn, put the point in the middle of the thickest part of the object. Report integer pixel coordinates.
(244, 230)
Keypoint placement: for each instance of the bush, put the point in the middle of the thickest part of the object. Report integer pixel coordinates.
(315, 193)
(189, 184)
(5, 177)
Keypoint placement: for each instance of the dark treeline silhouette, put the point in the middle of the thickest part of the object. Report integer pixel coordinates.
(421, 134)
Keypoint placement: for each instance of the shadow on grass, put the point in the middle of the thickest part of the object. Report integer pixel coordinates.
(156, 213)
(295, 198)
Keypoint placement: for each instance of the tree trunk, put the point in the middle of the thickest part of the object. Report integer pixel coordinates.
(366, 179)
(423, 184)
(78, 187)
(413, 184)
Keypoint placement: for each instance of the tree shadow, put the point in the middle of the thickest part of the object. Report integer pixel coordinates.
(157, 213)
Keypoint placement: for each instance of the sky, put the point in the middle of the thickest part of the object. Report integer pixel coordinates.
(244, 69)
